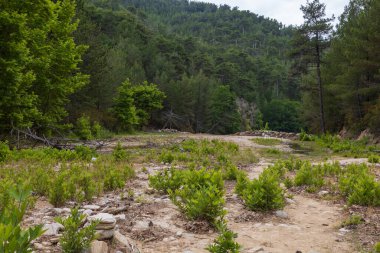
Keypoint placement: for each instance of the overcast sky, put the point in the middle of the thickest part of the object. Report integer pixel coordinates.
(286, 11)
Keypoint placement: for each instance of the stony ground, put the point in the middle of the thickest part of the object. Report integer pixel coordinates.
(150, 222)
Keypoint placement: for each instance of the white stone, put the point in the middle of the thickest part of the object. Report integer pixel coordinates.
(87, 212)
(104, 234)
(105, 218)
(281, 214)
(120, 217)
(98, 247)
(52, 229)
(126, 242)
(289, 201)
(323, 193)
(92, 207)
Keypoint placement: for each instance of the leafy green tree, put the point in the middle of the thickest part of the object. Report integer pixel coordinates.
(17, 102)
(224, 116)
(282, 115)
(147, 98)
(124, 108)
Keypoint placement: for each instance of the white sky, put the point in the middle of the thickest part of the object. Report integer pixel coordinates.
(286, 11)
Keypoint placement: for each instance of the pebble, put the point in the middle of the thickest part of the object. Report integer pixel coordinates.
(92, 207)
(120, 217)
(281, 214)
(289, 201)
(105, 234)
(179, 234)
(38, 246)
(322, 193)
(105, 218)
(52, 229)
(98, 247)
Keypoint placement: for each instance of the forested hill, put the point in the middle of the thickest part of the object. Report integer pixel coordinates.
(126, 64)
(197, 53)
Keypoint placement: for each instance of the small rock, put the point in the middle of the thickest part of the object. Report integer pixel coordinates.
(344, 231)
(66, 210)
(281, 214)
(57, 211)
(105, 234)
(313, 251)
(322, 193)
(52, 229)
(179, 234)
(92, 207)
(256, 250)
(125, 242)
(38, 246)
(98, 247)
(87, 212)
(120, 217)
(55, 240)
(105, 226)
(105, 218)
(289, 201)
(93, 159)
(46, 244)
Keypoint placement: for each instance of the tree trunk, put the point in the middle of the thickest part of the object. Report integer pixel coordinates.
(323, 128)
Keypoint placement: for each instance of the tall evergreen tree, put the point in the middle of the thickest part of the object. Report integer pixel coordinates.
(314, 38)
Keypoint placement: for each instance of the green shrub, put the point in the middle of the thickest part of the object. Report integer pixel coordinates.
(58, 194)
(200, 202)
(350, 177)
(288, 182)
(41, 181)
(305, 137)
(330, 169)
(241, 182)
(293, 164)
(115, 177)
(225, 242)
(119, 153)
(76, 238)
(85, 153)
(168, 179)
(263, 193)
(374, 159)
(167, 157)
(230, 171)
(377, 248)
(83, 128)
(365, 192)
(310, 176)
(13, 238)
(4, 151)
(352, 221)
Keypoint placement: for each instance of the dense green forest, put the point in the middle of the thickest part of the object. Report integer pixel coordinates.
(192, 66)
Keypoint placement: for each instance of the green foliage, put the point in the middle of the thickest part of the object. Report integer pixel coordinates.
(266, 141)
(282, 115)
(167, 180)
(83, 128)
(14, 238)
(377, 248)
(119, 153)
(76, 238)
(198, 193)
(4, 151)
(40, 63)
(305, 137)
(225, 242)
(374, 159)
(352, 221)
(135, 103)
(85, 153)
(310, 176)
(262, 194)
(201, 195)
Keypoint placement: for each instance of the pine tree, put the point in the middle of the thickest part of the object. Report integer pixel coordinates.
(314, 38)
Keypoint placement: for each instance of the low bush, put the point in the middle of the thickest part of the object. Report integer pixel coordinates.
(310, 176)
(352, 221)
(119, 153)
(76, 238)
(374, 159)
(365, 192)
(167, 180)
(83, 128)
(85, 153)
(262, 194)
(4, 151)
(225, 242)
(376, 249)
(14, 238)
